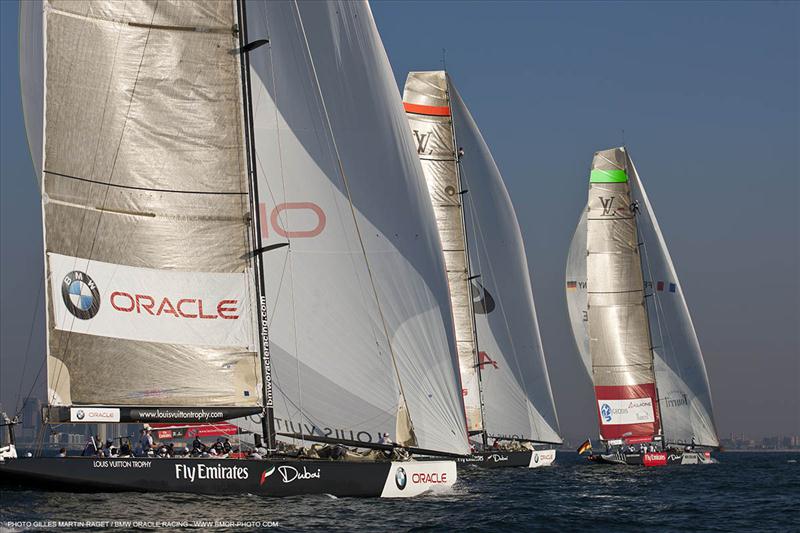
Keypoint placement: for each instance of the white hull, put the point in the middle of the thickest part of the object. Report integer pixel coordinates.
(540, 458)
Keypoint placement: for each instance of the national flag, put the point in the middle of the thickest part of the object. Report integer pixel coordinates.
(585, 447)
(572, 285)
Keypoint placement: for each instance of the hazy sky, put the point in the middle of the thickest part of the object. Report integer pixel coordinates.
(708, 97)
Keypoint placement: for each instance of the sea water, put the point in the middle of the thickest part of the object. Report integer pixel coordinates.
(743, 492)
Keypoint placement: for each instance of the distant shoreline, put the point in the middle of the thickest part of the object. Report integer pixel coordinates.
(787, 450)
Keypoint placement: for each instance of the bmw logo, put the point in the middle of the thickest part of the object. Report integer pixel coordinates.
(400, 478)
(536, 458)
(605, 410)
(80, 295)
(80, 414)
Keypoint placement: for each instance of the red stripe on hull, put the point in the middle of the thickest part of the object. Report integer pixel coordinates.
(438, 111)
(609, 430)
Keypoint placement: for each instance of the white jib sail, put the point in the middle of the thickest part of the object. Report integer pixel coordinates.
(683, 388)
(518, 401)
(329, 129)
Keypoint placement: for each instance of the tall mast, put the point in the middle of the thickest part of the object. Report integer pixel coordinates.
(268, 417)
(461, 193)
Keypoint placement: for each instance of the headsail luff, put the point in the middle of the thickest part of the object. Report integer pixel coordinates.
(339, 181)
(518, 401)
(426, 98)
(619, 334)
(145, 206)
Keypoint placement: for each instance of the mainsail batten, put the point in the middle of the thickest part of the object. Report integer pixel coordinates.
(145, 206)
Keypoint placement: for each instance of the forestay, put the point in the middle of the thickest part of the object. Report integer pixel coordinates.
(134, 117)
(360, 323)
(516, 388)
(426, 99)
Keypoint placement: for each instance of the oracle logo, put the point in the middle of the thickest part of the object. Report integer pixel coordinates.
(144, 304)
(430, 478)
(309, 217)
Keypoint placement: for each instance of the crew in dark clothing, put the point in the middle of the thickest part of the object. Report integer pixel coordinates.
(198, 447)
(218, 447)
(125, 448)
(90, 448)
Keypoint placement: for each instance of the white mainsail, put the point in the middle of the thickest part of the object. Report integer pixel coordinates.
(360, 323)
(492, 290)
(427, 103)
(619, 337)
(684, 398)
(516, 387)
(145, 202)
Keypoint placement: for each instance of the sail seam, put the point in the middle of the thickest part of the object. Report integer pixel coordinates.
(148, 189)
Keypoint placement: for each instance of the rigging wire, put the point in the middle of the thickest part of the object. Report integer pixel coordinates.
(27, 350)
(355, 219)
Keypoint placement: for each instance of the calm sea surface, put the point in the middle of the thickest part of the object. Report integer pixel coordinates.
(744, 492)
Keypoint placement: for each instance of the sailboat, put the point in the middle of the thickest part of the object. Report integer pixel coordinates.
(163, 134)
(506, 389)
(633, 329)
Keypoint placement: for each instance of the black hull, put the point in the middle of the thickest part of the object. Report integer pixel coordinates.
(508, 459)
(653, 459)
(280, 477)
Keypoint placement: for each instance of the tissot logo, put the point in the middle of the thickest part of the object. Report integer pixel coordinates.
(422, 141)
(676, 399)
(400, 478)
(80, 295)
